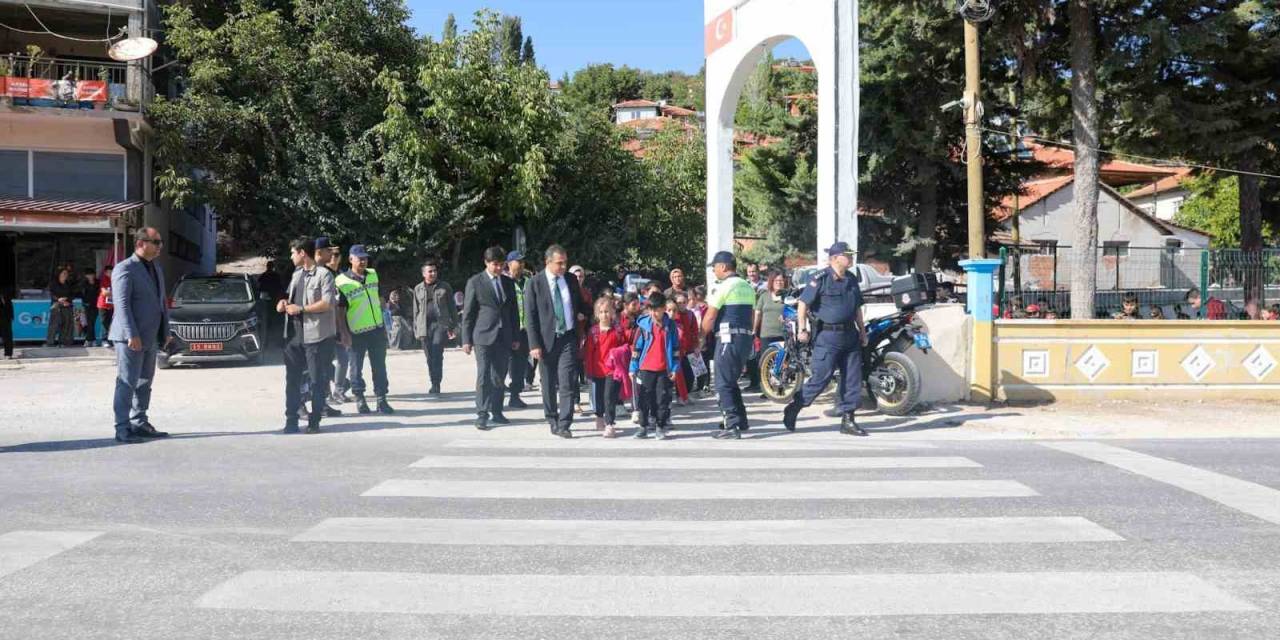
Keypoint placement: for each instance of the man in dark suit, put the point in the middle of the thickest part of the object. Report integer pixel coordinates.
(139, 329)
(553, 306)
(490, 327)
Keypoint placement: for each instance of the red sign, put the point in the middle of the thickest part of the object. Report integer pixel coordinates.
(719, 32)
(91, 91)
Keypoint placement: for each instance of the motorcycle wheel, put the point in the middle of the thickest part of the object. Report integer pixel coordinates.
(896, 384)
(779, 391)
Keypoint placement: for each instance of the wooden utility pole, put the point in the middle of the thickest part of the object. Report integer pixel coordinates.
(973, 141)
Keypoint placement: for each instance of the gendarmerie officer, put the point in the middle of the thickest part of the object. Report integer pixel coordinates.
(729, 315)
(836, 300)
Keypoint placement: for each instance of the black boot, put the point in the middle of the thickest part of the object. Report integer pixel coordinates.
(291, 426)
(384, 407)
(789, 416)
(362, 407)
(516, 402)
(435, 390)
(849, 426)
(313, 426)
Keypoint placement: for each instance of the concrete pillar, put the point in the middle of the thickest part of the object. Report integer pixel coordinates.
(981, 285)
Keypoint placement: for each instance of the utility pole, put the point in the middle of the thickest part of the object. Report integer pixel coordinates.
(973, 141)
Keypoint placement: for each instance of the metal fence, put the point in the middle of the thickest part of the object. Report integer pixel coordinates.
(1159, 277)
(58, 68)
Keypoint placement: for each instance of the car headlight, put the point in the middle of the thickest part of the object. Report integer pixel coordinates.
(251, 322)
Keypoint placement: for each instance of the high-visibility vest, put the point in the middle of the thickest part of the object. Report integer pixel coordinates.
(364, 305)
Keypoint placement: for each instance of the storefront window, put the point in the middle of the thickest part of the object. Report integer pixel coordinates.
(13, 174)
(79, 176)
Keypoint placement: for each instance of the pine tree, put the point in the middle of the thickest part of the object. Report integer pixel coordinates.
(450, 29)
(527, 56)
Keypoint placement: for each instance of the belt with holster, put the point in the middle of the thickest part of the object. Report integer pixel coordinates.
(828, 326)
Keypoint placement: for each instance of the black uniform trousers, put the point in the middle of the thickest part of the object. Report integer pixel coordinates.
(311, 360)
(559, 372)
(374, 345)
(491, 375)
(835, 351)
(520, 369)
(731, 357)
(653, 397)
(434, 352)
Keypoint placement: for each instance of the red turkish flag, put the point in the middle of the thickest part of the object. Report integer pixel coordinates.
(719, 32)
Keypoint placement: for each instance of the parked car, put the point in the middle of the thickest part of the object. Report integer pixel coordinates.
(219, 318)
(872, 282)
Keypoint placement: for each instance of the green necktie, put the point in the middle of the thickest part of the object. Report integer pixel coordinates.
(561, 327)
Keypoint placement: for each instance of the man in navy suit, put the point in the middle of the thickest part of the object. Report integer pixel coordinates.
(491, 328)
(139, 329)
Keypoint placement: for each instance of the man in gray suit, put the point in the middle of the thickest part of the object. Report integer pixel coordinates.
(491, 328)
(553, 306)
(139, 329)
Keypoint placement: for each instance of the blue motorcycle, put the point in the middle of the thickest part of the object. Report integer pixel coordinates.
(888, 373)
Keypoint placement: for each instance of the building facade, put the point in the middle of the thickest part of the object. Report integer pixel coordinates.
(76, 156)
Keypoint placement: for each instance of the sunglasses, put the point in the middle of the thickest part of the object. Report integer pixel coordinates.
(156, 241)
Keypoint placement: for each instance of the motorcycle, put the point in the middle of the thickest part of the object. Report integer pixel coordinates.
(888, 372)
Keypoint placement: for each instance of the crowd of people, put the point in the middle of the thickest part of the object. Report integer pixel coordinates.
(1193, 305)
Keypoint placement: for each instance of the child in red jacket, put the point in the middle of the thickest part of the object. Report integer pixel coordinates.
(602, 338)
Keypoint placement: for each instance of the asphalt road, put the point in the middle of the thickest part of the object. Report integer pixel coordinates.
(418, 526)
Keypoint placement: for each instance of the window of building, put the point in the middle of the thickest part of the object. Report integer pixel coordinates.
(79, 176)
(1115, 249)
(13, 174)
(1173, 246)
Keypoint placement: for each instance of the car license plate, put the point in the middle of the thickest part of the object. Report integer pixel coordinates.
(206, 346)
(922, 341)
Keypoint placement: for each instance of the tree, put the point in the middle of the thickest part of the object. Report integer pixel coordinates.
(526, 55)
(510, 42)
(1084, 80)
(1213, 206)
(600, 86)
(450, 29)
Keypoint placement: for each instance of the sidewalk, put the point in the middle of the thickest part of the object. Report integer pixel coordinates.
(28, 353)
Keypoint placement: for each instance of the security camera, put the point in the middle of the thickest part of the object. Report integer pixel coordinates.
(955, 104)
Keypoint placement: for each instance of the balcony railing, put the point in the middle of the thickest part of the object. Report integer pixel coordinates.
(67, 83)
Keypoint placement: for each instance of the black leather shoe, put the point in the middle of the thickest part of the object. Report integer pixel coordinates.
(292, 428)
(362, 407)
(313, 428)
(727, 434)
(483, 424)
(517, 403)
(145, 430)
(499, 420)
(565, 433)
(330, 412)
(384, 407)
(849, 427)
(435, 390)
(789, 416)
(642, 434)
(127, 437)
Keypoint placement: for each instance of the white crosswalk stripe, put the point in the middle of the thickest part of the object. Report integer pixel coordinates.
(687, 593)
(656, 463)
(735, 595)
(826, 490)
(665, 533)
(21, 549)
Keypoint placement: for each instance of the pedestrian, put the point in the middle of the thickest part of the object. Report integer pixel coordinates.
(140, 328)
(690, 342)
(6, 321)
(755, 277)
(698, 305)
(677, 284)
(728, 317)
(310, 332)
(654, 365)
(605, 336)
(62, 292)
(553, 307)
(1271, 313)
(836, 301)
(359, 297)
(1214, 309)
(490, 328)
(106, 310)
(588, 302)
(767, 323)
(435, 320)
(89, 301)
(338, 371)
(1128, 308)
(272, 286)
(618, 385)
(521, 368)
(400, 311)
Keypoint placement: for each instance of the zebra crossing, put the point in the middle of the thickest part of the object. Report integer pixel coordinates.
(685, 594)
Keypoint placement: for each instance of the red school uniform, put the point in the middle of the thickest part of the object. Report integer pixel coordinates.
(599, 343)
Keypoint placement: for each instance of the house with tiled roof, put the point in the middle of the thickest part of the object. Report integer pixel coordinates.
(1164, 197)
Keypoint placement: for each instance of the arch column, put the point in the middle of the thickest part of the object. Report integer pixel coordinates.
(739, 33)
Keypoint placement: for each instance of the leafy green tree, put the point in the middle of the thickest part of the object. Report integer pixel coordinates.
(1213, 206)
(450, 31)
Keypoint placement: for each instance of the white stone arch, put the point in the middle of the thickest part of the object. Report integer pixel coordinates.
(739, 33)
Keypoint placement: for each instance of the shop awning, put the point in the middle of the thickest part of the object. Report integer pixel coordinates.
(68, 207)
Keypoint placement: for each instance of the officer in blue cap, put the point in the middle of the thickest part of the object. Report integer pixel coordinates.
(836, 302)
(729, 316)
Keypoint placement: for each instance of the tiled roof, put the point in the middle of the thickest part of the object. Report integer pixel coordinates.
(672, 111)
(1164, 185)
(635, 104)
(1115, 172)
(1032, 192)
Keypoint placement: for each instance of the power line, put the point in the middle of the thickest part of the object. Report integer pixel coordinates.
(1180, 163)
(49, 32)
